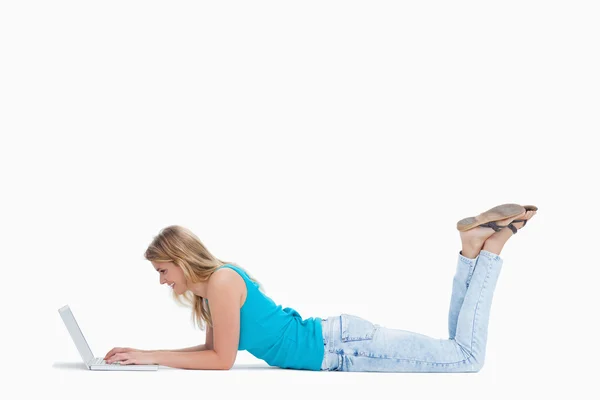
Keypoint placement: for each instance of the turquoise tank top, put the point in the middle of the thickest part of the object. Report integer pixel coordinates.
(278, 336)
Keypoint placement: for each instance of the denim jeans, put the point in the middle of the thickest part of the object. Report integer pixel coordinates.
(353, 343)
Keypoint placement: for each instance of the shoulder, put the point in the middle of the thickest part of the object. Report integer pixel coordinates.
(226, 279)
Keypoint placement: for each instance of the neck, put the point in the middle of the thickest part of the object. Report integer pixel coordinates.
(199, 289)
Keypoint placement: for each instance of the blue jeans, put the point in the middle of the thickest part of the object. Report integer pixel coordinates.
(355, 344)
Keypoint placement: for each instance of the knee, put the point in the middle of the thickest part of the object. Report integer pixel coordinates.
(473, 362)
(477, 365)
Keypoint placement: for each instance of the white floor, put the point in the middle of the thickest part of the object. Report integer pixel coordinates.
(501, 379)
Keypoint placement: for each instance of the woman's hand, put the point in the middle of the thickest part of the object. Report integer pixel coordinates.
(116, 350)
(127, 356)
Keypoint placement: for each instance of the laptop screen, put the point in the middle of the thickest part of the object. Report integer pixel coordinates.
(76, 335)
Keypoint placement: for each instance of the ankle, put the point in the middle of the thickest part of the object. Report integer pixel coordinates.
(470, 251)
(496, 244)
(469, 254)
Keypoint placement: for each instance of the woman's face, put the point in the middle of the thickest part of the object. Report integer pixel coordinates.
(170, 273)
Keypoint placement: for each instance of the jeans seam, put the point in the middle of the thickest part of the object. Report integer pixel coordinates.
(469, 275)
(407, 359)
(483, 286)
(469, 265)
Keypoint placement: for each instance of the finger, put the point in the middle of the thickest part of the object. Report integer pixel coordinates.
(116, 357)
(112, 352)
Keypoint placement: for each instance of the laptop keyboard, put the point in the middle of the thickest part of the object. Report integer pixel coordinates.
(102, 361)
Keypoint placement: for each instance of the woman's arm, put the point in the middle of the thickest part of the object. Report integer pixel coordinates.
(195, 348)
(208, 343)
(208, 359)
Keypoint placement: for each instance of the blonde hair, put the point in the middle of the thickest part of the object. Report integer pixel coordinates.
(181, 247)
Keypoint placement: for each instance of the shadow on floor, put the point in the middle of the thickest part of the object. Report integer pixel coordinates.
(79, 366)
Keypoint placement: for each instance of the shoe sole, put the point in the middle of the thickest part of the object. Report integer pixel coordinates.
(497, 213)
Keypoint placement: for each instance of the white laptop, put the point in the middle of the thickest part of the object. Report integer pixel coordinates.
(91, 362)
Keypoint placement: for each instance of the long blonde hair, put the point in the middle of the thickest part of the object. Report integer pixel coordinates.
(183, 248)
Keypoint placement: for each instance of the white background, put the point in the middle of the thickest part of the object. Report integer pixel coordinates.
(327, 147)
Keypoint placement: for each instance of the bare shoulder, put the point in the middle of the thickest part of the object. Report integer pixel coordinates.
(226, 279)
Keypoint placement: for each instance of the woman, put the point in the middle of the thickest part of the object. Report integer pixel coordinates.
(244, 318)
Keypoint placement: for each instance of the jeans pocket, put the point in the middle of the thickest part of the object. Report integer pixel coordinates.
(355, 328)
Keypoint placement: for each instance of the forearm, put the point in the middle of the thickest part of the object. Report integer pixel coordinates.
(201, 347)
(205, 359)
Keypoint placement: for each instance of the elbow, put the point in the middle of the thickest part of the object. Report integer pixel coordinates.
(225, 363)
(229, 364)
(225, 366)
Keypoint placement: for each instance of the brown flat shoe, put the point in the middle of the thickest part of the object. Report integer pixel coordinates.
(488, 218)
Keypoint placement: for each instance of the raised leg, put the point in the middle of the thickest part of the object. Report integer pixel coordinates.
(473, 319)
(363, 346)
(473, 241)
(460, 284)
